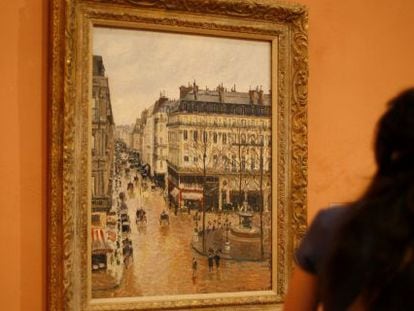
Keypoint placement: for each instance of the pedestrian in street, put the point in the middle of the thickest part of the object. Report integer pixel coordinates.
(217, 259)
(194, 267)
(210, 262)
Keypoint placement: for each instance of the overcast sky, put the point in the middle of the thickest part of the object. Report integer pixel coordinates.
(140, 64)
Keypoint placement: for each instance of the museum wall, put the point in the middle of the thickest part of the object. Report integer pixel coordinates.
(360, 55)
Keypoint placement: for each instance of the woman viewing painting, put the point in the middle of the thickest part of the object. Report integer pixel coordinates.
(361, 257)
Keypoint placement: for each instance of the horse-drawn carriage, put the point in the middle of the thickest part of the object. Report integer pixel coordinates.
(127, 251)
(125, 223)
(141, 217)
(164, 218)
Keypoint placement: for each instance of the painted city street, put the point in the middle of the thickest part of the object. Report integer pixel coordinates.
(181, 173)
(163, 255)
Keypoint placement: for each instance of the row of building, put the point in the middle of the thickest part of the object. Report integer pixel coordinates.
(209, 147)
(106, 231)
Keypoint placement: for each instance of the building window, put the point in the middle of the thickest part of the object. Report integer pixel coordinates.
(195, 136)
(93, 185)
(205, 136)
(233, 163)
(243, 163)
(253, 139)
(262, 110)
(224, 139)
(225, 162)
(261, 139)
(231, 138)
(96, 219)
(215, 137)
(103, 145)
(185, 135)
(186, 158)
(93, 144)
(243, 138)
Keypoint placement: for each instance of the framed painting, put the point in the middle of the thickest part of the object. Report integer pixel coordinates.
(178, 153)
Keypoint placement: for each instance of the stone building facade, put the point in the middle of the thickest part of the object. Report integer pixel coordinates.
(102, 139)
(137, 136)
(220, 148)
(160, 155)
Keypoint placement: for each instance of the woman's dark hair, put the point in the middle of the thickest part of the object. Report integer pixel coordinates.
(372, 257)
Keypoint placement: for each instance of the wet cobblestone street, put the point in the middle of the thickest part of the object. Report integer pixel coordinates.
(162, 257)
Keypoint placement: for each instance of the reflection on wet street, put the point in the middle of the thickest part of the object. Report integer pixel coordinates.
(162, 257)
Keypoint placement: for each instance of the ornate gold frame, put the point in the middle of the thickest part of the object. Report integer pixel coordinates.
(285, 25)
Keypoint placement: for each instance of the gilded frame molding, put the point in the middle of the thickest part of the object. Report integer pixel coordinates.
(285, 25)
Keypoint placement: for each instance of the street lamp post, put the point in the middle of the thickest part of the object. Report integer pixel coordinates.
(227, 242)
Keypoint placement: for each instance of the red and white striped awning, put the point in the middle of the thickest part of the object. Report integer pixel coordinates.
(99, 243)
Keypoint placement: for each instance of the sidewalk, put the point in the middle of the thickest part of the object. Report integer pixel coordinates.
(214, 240)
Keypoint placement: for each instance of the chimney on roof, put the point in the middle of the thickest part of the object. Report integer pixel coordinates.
(195, 90)
(253, 96)
(98, 66)
(220, 90)
(184, 90)
(261, 96)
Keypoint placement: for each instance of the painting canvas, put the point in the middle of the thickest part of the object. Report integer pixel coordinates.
(180, 164)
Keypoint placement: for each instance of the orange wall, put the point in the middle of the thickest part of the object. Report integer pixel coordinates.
(360, 55)
(23, 59)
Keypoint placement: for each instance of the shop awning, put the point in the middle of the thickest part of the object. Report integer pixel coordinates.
(99, 243)
(192, 196)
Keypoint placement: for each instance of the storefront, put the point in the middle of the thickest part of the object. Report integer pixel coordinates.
(100, 249)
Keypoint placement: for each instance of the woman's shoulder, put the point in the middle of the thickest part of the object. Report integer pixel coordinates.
(317, 239)
(331, 217)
